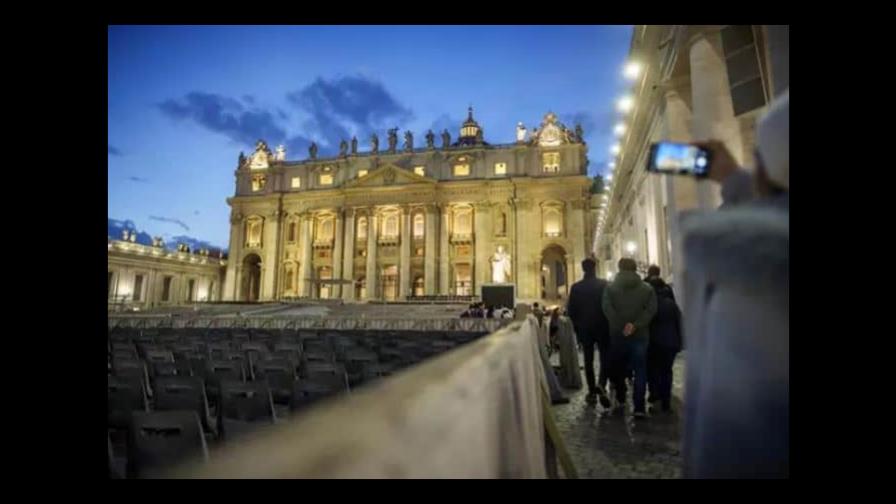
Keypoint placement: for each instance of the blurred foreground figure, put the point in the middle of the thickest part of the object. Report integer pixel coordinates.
(737, 316)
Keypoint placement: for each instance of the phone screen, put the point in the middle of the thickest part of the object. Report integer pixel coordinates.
(678, 159)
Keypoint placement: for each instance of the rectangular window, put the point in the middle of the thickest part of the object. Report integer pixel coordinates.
(461, 170)
(326, 179)
(166, 288)
(419, 170)
(744, 71)
(500, 168)
(190, 285)
(258, 182)
(291, 232)
(138, 287)
(361, 173)
(296, 182)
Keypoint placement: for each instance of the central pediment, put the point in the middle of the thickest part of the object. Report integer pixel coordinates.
(389, 175)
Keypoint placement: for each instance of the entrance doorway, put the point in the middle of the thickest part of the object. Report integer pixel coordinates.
(554, 274)
(251, 282)
(390, 283)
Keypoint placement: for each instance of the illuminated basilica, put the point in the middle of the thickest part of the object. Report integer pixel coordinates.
(408, 222)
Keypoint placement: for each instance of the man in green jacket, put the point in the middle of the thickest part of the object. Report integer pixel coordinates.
(629, 305)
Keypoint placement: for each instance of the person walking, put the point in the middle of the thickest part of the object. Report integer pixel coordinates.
(665, 341)
(629, 305)
(591, 328)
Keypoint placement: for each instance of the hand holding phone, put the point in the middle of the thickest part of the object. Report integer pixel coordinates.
(679, 159)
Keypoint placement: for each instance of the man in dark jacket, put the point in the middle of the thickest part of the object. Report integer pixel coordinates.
(629, 305)
(590, 325)
(665, 340)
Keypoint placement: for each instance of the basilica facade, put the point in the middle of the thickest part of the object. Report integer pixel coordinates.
(405, 222)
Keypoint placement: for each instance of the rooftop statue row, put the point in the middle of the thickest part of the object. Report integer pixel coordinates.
(551, 133)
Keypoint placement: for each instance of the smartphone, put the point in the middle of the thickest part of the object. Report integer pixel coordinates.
(678, 159)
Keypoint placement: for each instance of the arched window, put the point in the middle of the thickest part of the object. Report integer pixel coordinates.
(390, 226)
(551, 162)
(254, 227)
(362, 228)
(418, 226)
(463, 221)
(325, 229)
(553, 221)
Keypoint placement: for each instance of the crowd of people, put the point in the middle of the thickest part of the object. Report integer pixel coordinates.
(481, 310)
(635, 324)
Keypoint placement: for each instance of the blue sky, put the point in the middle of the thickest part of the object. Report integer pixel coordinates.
(184, 101)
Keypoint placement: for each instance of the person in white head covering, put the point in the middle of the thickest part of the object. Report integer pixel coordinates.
(770, 183)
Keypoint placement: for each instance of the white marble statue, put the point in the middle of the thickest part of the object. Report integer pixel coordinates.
(280, 154)
(520, 132)
(500, 266)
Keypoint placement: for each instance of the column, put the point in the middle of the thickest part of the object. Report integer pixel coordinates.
(713, 110)
(429, 253)
(482, 229)
(336, 289)
(577, 239)
(305, 269)
(229, 292)
(444, 282)
(528, 232)
(680, 192)
(348, 255)
(269, 268)
(371, 254)
(404, 281)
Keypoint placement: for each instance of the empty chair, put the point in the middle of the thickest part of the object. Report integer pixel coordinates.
(125, 354)
(280, 375)
(183, 393)
(355, 359)
(133, 368)
(318, 352)
(126, 394)
(162, 439)
(310, 391)
(159, 355)
(245, 406)
(163, 368)
(218, 370)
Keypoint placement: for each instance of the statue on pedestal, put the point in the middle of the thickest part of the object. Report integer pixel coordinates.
(312, 151)
(408, 141)
(520, 133)
(343, 148)
(124, 234)
(374, 143)
(500, 266)
(580, 133)
(354, 145)
(241, 160)
(446, 139)
(430, 139)
(280, 153)
(393, 139)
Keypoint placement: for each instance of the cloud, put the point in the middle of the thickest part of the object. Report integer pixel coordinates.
(586, 119)
(345, 106)
(444, 122)
(226, 116)
(169, 219)
(115, 152)
(331, 110)
(195, 212)
(138, 179)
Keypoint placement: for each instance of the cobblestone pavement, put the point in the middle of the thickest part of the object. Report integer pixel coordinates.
(606, 446)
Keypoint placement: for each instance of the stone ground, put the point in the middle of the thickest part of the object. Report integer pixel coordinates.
(605, 446)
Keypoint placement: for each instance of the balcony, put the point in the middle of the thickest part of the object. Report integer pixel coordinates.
(322, 243)
(388, 240)
(458, 238)
(553, 234)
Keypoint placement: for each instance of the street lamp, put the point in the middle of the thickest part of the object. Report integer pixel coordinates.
(632, 70)
(631, 247)
(619, 129)
(615, 149)
(625, 104)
